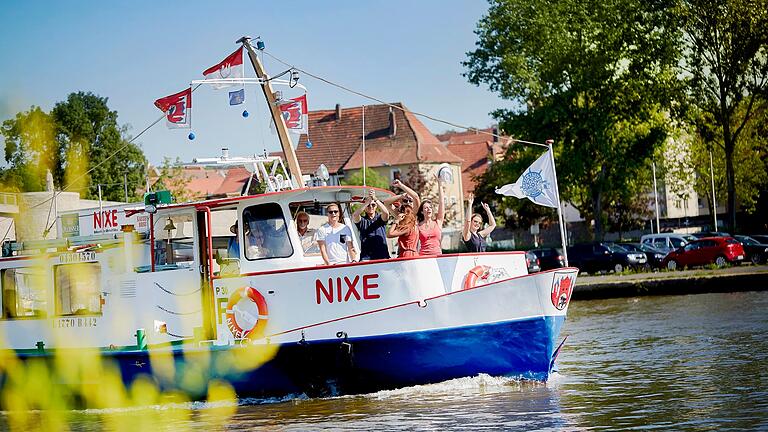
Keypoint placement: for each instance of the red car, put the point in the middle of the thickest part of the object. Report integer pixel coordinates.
(711, 250)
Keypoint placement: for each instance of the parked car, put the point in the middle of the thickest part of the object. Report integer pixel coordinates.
(532, 261)
(712, 250)
(756, 251)
(597, 257)
(655, 256)
(704, 234)
(549, 258)
(666, 242)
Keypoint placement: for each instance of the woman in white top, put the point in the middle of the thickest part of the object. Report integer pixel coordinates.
(335, 239)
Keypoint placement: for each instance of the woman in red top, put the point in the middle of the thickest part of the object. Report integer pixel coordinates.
(407, 233)
(431, 225)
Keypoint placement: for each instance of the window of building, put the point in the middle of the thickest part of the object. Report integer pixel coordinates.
(23, 294)
(78, 288)
(266, 234)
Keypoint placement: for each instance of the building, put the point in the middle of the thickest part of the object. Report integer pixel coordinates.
(478, 149)
(397, 146)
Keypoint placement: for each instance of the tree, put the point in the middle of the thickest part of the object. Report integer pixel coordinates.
(595, 76)
(372, 178)
(725, 60)
(749, 163)
(89, 138)
(30, 151)
(82, 145)
(172, 178)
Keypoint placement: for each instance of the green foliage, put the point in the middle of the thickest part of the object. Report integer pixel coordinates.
(372, 178)
(592, 75)
(30, 151)
(74, 141)
(725, 66)
(172, 178)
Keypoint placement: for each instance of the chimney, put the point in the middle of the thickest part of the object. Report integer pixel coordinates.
(338, 112)
(495, 131)
(392, 123)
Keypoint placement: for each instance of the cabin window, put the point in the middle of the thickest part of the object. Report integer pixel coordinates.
(78, 289)
(266, 235)
(23, 294)
(174, 241)
(312, 214)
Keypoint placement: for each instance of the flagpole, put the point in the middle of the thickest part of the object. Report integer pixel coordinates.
(364, 184)
(559, 206)
(277, 117)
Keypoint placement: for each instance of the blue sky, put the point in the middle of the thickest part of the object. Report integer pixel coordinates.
(136, 52)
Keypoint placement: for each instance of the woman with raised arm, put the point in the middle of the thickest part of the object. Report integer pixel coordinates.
(409, 198)
(431, 224)
(406, 232)
(472, 235)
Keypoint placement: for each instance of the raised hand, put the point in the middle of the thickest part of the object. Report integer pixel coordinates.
(486, 207)
(396, 183)
(471, 198)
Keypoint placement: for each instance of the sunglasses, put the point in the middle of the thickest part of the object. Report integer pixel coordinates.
(407, 201)
(372, 205)
(333, 211)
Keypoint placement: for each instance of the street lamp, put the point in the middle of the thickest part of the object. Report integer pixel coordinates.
(712, 177)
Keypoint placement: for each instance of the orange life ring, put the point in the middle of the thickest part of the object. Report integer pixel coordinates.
(477, 274)
(257, 330)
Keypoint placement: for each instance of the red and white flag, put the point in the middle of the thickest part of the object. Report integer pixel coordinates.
(177, 108)
(296, 115)
(229, 68)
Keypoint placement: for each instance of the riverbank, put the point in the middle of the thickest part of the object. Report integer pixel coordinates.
(730, 279)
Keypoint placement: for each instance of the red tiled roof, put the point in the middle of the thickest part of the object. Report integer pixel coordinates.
(475, 147)
(338, 144)
(205, 186)
(473, 136)
(475, 157)
(234, 181)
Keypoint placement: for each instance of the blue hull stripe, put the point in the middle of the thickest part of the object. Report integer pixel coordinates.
(521, 348)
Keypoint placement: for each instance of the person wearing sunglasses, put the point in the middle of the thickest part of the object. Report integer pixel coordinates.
(372, 228)
(474, 238)
(335, 239)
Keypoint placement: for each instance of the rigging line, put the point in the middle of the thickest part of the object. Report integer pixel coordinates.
(93, 168)
(427, 116)
(9, 229)
(130, 141)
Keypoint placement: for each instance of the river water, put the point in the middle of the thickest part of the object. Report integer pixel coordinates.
(695, 362)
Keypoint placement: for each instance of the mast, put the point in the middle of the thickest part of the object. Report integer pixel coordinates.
(277, 117)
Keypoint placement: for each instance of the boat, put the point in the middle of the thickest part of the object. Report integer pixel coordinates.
(151, 290)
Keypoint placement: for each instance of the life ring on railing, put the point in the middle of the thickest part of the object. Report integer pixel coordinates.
(250, 325)
(478, 275)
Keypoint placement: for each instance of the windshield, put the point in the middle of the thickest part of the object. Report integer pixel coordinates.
(616, 248)
(747, 240)
(651, 249)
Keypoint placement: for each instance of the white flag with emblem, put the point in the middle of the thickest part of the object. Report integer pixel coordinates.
(537, 183)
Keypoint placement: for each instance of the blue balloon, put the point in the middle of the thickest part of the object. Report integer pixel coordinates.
(245, 113)
(308, 144)
(191, 136)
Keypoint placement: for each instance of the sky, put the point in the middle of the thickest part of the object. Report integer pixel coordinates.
(136, 52)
